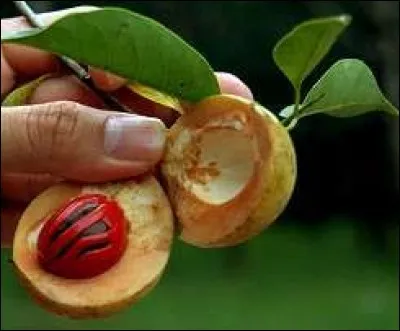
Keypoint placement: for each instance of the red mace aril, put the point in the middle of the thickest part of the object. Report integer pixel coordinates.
(84, 238)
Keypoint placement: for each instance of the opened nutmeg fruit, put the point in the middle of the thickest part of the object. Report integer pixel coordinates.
(229, 170)
(90, 251)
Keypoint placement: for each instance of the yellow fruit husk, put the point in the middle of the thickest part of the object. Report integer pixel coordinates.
(157, 96)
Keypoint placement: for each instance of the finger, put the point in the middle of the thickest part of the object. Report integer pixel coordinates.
(68, 88)
(7, 75)
(71, 88)
(231, 84)
(10, 214)
(77, 142)
(23, 187)
(27, 61)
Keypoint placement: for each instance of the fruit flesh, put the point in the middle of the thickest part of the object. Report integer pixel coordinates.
(246, 137)
(218, 173)
(149, 243)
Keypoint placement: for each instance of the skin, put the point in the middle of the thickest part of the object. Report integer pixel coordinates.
(41, 142)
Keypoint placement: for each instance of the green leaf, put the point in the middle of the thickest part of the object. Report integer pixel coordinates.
(347, 89)
(21, 95)
(300, 51)
(130, 45)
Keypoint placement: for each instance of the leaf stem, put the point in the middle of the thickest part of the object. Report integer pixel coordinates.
(297, 97)
(291, 121)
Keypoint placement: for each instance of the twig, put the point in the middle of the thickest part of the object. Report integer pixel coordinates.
(78, 70)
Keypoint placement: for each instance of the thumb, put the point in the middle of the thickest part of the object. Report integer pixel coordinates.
(78, 142)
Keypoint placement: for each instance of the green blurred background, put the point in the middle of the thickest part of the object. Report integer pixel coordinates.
(331, 261)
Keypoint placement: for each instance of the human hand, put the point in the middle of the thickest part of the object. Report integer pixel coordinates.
(66, 132)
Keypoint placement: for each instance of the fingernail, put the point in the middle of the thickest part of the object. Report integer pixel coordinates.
(134, 138)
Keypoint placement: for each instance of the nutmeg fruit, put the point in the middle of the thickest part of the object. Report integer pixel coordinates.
(145, 253)
(229, 170)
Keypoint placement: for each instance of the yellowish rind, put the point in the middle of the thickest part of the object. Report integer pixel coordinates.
(279, 179)
(156, 96)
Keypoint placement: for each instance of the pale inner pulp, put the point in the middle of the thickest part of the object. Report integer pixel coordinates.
(223, 165)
